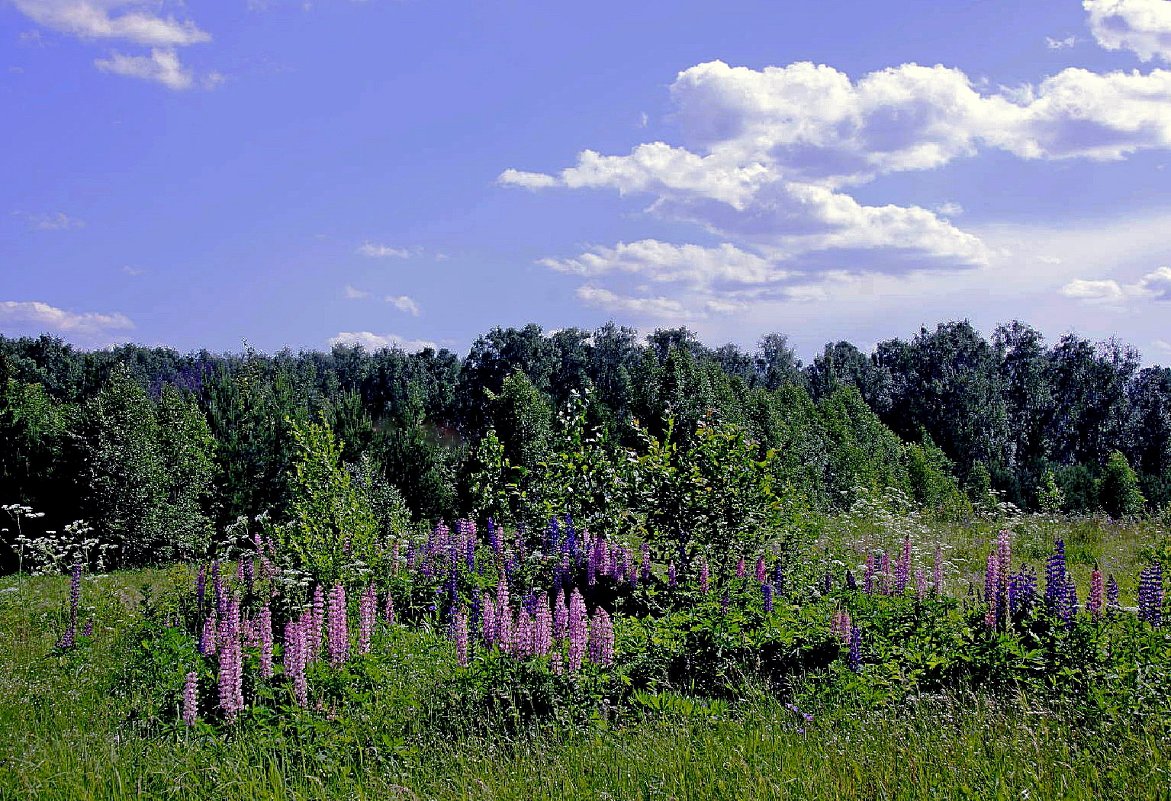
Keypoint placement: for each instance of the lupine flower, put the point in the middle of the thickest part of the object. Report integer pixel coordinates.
(920, 583)
(868, 575)
(1069, 607)
(645, 567)
(522, 644)
(560, 617)
(1022, 590)
(767, 589)
(601, 638)
(672, 580)
(578, 631)
(1150, 594)
(296, 656)
(488, 619)
(190, 699)
(503, 634)
(200, 588)
(264, 635)
(779, 578)
(339, 635)
(855, 649)
(388, 609)
(1094, 602)
(704, 577)
(1112, 593)
(70, 637)
(595, 562)
(841, 625)
(827, 582)
(903, 567)
(543, 627)
(207, 638)
(1055, 573)
(367, 613)
(725, 602)
(761, 571)
(494, 539)
(88, 631)
(741, 568)
(885, 574)
(217, 584)
(231, 668)
(459, 627)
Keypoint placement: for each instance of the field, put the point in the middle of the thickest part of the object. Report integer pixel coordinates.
(1084, 714)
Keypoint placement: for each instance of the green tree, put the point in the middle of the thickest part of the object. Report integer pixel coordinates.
(1118, 489)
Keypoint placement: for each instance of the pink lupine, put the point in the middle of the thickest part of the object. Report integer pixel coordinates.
(504, 620)
(741, 568)
(264, 635)
(488, 619)
(1094, 603)
(190, 699)
(367, 614)
(522, 642)
(231, 667)
(296, 654)
(560, 617)
(578, 631)
(920, 583)
(339, 635)
(761, 571)
(542, 627)
(601, 638)
(207, 638)
(459, 627)
(388, 609)
(704, 577)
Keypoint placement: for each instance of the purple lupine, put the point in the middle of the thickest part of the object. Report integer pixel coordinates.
(218, 589)
(672, 579)
(578, 631)
(494, 539)
(560, 617)
(459, 628)
(594, 562)
(1112, 594)
(231, 667)
(920, 583)
(296, 656)
(207, 638)
(338, 625)
(725, 602)
(503, 634)
(264, 626)
(868, 575)
(1055, 576)
(601, 645)
(741, 568)
(937, 571)
(190, 699)
(1094, 602)
(240, 573)
(522, 641)
(761, 571)
(704, 577)
(543, 627)
(487, 619)
(388, 609)
(885, 574)
(1069, 606)
(767, 589)
(903, 567)
(855, 649)
(1022, 590)
(851, 581)
(618, 571)
(88, 630)
(200, 588)
(367, 614)
(827, 582)
(841, 625)
(1150, 594)
(779, 578)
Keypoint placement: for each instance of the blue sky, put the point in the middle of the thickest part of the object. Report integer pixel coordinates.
(293, 174)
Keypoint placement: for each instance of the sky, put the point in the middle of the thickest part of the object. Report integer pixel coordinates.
(416, 172)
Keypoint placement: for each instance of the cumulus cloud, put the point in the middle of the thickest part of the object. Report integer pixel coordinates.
(404, 304)
(378, 251)
(1104, 291)
(643, 306)
(767, 158)
(136, 22)
(1156, 285)
(372, 342)
(1140, 26)
(40, 316)
(1060, 44)
(352, 293)
(1152, 286)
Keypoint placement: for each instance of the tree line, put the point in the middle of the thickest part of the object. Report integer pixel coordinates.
(160, 450)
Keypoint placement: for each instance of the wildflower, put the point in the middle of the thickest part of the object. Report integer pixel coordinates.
(200, 588)
(903, 567)
(69, 639)
(578, 631)
(1150, 594)
(264, 635)
(367, 612)
(1097, 592)
(920, 583)
(1055, 575)
(1112, 593)
(296, 656)
(991, 585)
(601, 639)
(741, 568)
(542, 627)
(672, 580)
(767, 589)
(560, 617)
(388, 609)
(855, 649)
(338, 636)
(316, 623)
(704, 577)
(522, 644)
(207, 638)
(761, 571)
(231, 668)
(937, 571)
(190, 699)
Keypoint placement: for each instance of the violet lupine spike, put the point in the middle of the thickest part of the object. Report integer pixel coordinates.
(200, 589)
(578, 632)
(367, 614)
(339, 634)
(645, 567)
(767, 589)
(523, 638)
(672, 579)
(264, 626)
(207, 638)
(543, 628)
(1095, 600)
(560, 617)
(855, 658)
(240, 572)
(231, 667)
(505, 636)
(1112, 594)
(761, 571)
(1150, 594)
(851, 581)
(1069, 609)
(190, 699)
(903, 571)
(388, 609)
(487, 619)
(296, 657)
(741, 568)
(920, 583)
(1055, 576)
(725, 602)
(612, 566)
(885, 574)
(601, 644)
(779, 578)
(937, 571)
(1022, 591)
(595, 562)
(704, 577)
(88, 631)
(618, 560)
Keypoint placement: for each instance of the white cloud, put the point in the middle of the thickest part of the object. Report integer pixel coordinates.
(129, 20)
(42, 316)
(650, 307)
(1162, 345)
(377, 251)
(526, 180)
(136, 22)
(1141, 26)
(766, 160)
(404, 304)
(1103, 291)
(949, 209)
(161, 66)
(1060, 44)
(1156, 285)
(351, 293)
(52, 221)
(372, 342)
